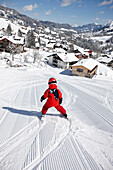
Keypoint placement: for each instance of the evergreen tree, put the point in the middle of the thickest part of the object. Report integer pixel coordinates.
(71, 48)
(30, 39)
(19, 33)
(9, 29)
(39, 41)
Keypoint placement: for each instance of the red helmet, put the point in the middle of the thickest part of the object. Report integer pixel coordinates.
(52, 81)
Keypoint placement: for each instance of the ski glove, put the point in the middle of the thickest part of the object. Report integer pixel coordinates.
(42, 98)
(60, 101)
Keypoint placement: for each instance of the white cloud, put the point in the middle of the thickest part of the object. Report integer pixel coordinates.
(35, 5)
(96, 19)
(105, 3)
(29, 7)
(73, 16)
(67, 2)
(36, 14)
(107, 20)
(48, 12)
(102, 12)
(4, 4)
(75, 25)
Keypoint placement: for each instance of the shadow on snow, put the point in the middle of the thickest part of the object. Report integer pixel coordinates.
(66, 72)
(24, 112)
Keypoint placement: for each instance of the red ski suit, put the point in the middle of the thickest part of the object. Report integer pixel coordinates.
(51, 101)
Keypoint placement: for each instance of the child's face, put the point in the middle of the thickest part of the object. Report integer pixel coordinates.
(52, 86)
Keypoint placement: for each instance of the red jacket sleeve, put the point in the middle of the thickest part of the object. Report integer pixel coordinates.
(46, 93)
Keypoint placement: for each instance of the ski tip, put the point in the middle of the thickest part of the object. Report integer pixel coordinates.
(65, 117)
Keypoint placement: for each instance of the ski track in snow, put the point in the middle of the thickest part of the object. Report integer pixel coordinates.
(53, 143)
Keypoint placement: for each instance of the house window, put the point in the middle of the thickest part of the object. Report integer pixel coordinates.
(80, 69)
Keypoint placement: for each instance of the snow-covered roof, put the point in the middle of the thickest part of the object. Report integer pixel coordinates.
(41, 35)
(50, 45)
(106, 55)
(87, 63)
(104, 59)
(47, 30)
(87, 51)
(24, 30)
(58, 44)
(112, 54)
(14, 41)
(68, 57)
(44, 40)
(53, 32)
(37, 44)
(64, 46)
(59, 50)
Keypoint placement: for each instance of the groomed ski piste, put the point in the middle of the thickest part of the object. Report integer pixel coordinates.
(27, 142)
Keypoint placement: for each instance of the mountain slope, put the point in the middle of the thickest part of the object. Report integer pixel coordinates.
(89, 27)
(15, 16)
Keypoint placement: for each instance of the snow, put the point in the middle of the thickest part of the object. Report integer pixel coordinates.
(4, 23)
(85, 141)
(105, 71)
(104, 59)
(64, 29)
(15, 27)
(101, 38)
(68, 57)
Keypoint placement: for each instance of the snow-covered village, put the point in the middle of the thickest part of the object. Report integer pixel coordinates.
(80, 64)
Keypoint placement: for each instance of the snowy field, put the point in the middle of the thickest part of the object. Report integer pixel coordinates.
(84, 142)
(102, 38)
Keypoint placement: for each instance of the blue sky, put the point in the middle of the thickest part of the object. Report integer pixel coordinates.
(73, 12)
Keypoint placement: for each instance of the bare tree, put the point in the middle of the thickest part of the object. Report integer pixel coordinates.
(26, 58)
(37, 57)
(12, 49)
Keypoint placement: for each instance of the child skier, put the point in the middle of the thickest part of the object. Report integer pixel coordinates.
(54, 96)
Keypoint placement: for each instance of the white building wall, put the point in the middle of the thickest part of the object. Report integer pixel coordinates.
(60, 64)
(63, 65)
(51, 60)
